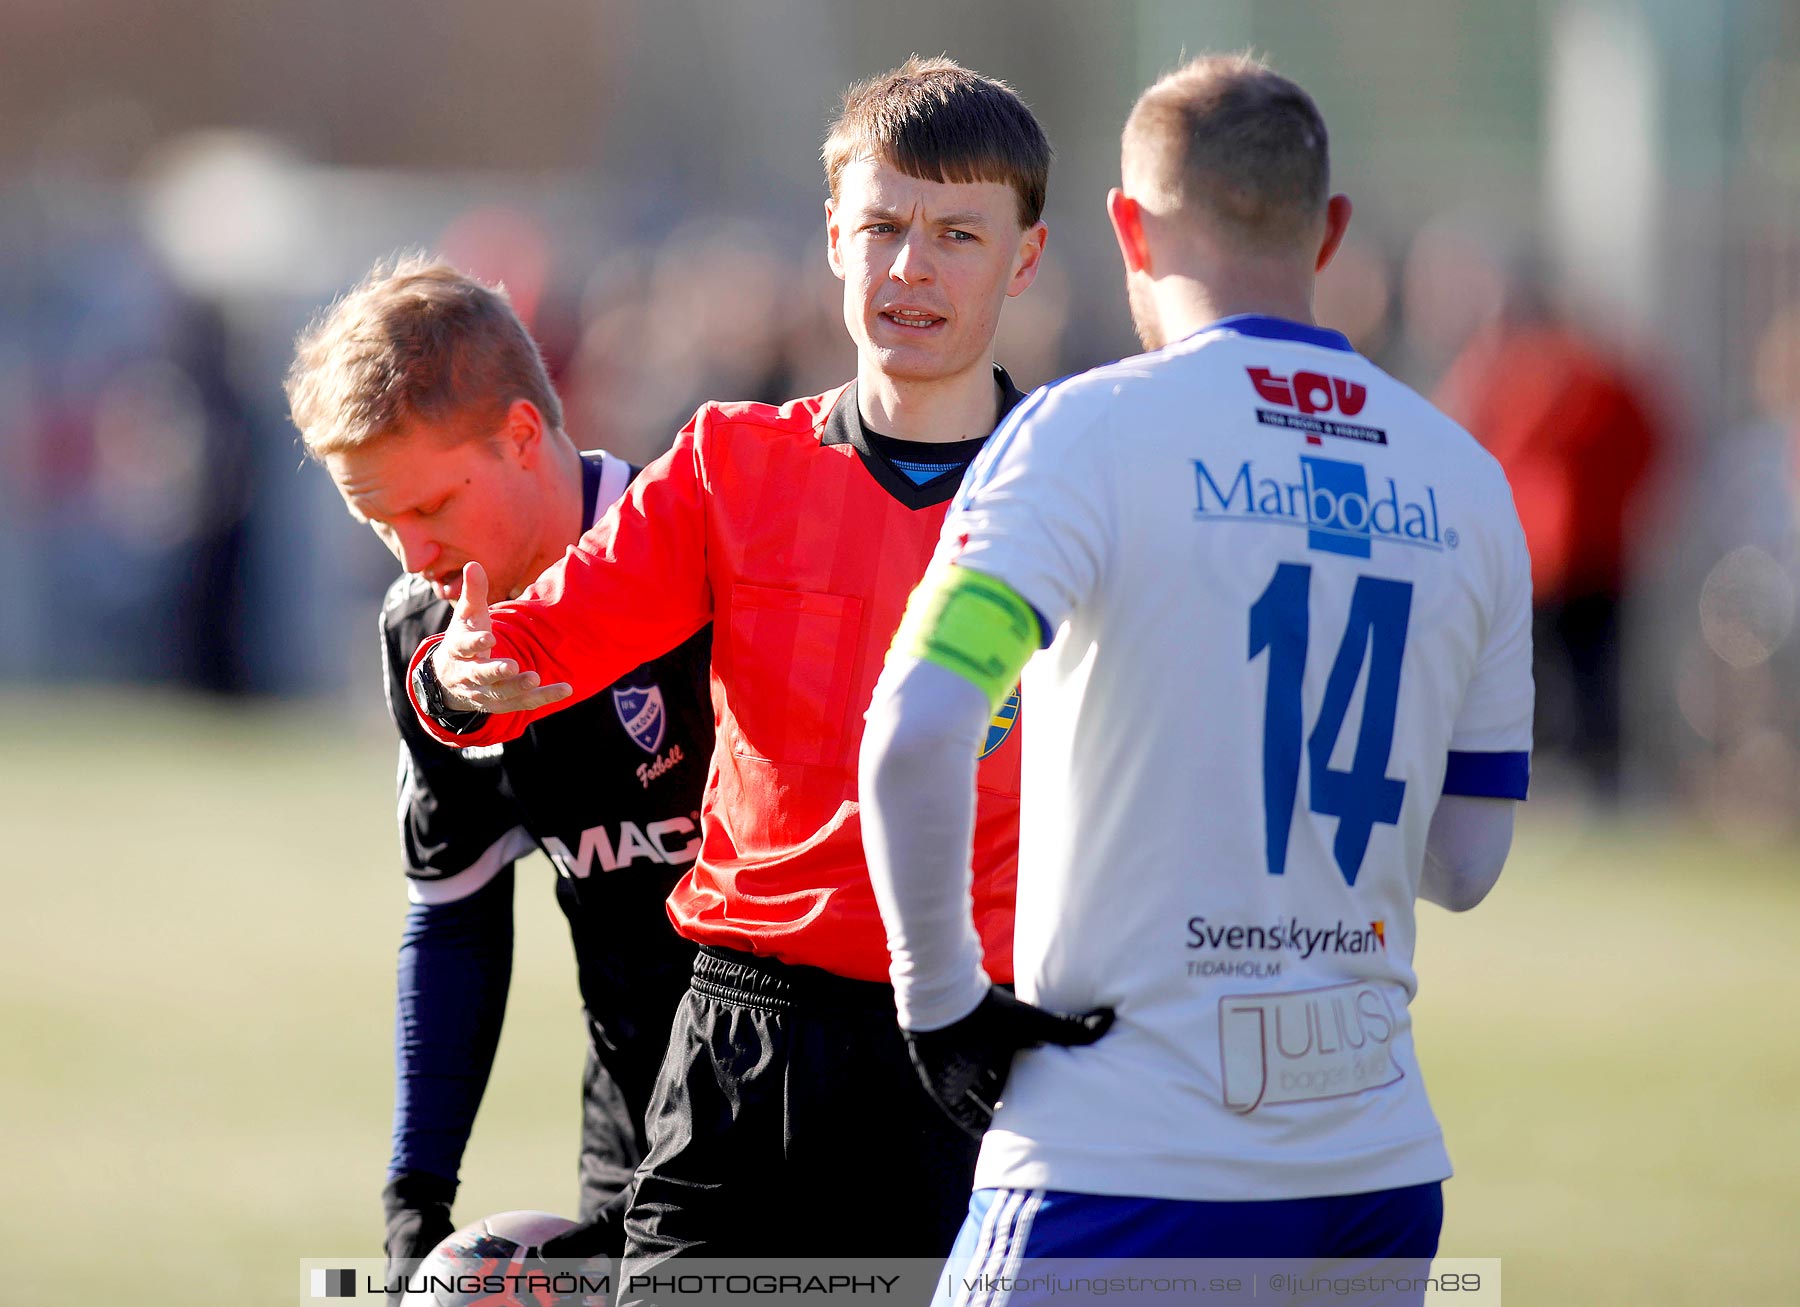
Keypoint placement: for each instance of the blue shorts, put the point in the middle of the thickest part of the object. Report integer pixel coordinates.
(1007, 1230)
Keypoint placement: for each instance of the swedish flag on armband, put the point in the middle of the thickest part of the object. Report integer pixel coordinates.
(1001, 724)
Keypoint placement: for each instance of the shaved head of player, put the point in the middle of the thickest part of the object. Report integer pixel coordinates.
(1225, 203)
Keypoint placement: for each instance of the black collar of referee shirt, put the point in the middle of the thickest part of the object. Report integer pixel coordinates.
(844, 426)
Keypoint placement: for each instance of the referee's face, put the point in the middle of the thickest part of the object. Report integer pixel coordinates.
(438, 503)
(926, 268)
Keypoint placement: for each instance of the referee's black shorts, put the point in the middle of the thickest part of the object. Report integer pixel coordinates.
(788, 1122)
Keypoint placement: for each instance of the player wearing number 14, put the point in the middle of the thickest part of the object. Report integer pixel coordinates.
(1284, 691)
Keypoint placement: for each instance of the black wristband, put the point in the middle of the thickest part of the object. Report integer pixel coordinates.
(430, 693)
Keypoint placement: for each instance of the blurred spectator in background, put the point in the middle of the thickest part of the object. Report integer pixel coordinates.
(1734, 684)
(1579, 440)
(1747, 484)
(1355, 295)
(1777, 391)
(656, 339)
(1451, 287)
(125, 445)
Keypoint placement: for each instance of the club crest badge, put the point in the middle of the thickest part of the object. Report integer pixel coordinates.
(1001, 724)
(641, 714)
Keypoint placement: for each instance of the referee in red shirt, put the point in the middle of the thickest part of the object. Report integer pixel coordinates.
(799, 532)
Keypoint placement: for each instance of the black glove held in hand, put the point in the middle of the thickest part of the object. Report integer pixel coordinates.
(418, 1219)
(964, 1065)
(581, 1255)
(602, 1236)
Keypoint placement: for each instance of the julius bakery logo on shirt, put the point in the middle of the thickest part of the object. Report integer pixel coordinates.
(1332, 499)
(1305, 1046)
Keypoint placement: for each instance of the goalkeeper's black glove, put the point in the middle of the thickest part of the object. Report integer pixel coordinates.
(602, 1235)
(418, 1220)
(964, 1065)
(581, 1256)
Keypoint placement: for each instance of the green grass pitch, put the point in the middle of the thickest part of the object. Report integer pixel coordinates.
(195, 1028)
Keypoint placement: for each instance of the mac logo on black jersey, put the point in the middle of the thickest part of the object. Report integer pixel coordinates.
(641, 714)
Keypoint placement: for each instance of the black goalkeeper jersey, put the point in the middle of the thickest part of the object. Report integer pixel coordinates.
(610, 789)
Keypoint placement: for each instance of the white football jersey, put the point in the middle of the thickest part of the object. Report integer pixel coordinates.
(1290, 605)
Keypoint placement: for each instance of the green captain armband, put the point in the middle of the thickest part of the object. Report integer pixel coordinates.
(971, 624)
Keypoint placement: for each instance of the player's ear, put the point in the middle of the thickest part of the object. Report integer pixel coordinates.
(1127, 217)
(523, 432)
(833, 255)
(1031, 254)
(1337, 222)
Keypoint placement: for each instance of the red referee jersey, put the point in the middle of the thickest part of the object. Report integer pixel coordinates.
(780, 527)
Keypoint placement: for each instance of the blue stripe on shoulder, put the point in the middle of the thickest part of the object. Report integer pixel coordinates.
(1488, 775)
(1273, 328)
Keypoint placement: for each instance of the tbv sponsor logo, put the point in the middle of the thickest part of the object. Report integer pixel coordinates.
(1331, 500)
(1305, 396)
(1310, 392)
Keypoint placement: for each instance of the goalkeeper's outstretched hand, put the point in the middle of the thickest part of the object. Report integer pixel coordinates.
(964, 1065)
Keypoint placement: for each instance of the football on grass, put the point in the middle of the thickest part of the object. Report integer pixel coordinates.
(494, 1263)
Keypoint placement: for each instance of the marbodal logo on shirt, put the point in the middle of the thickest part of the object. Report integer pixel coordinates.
(1331, 499)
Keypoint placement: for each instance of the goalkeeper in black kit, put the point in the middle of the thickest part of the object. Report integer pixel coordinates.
(425, 398)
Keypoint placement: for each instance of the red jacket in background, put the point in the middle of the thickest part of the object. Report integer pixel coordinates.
(1576, 437)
